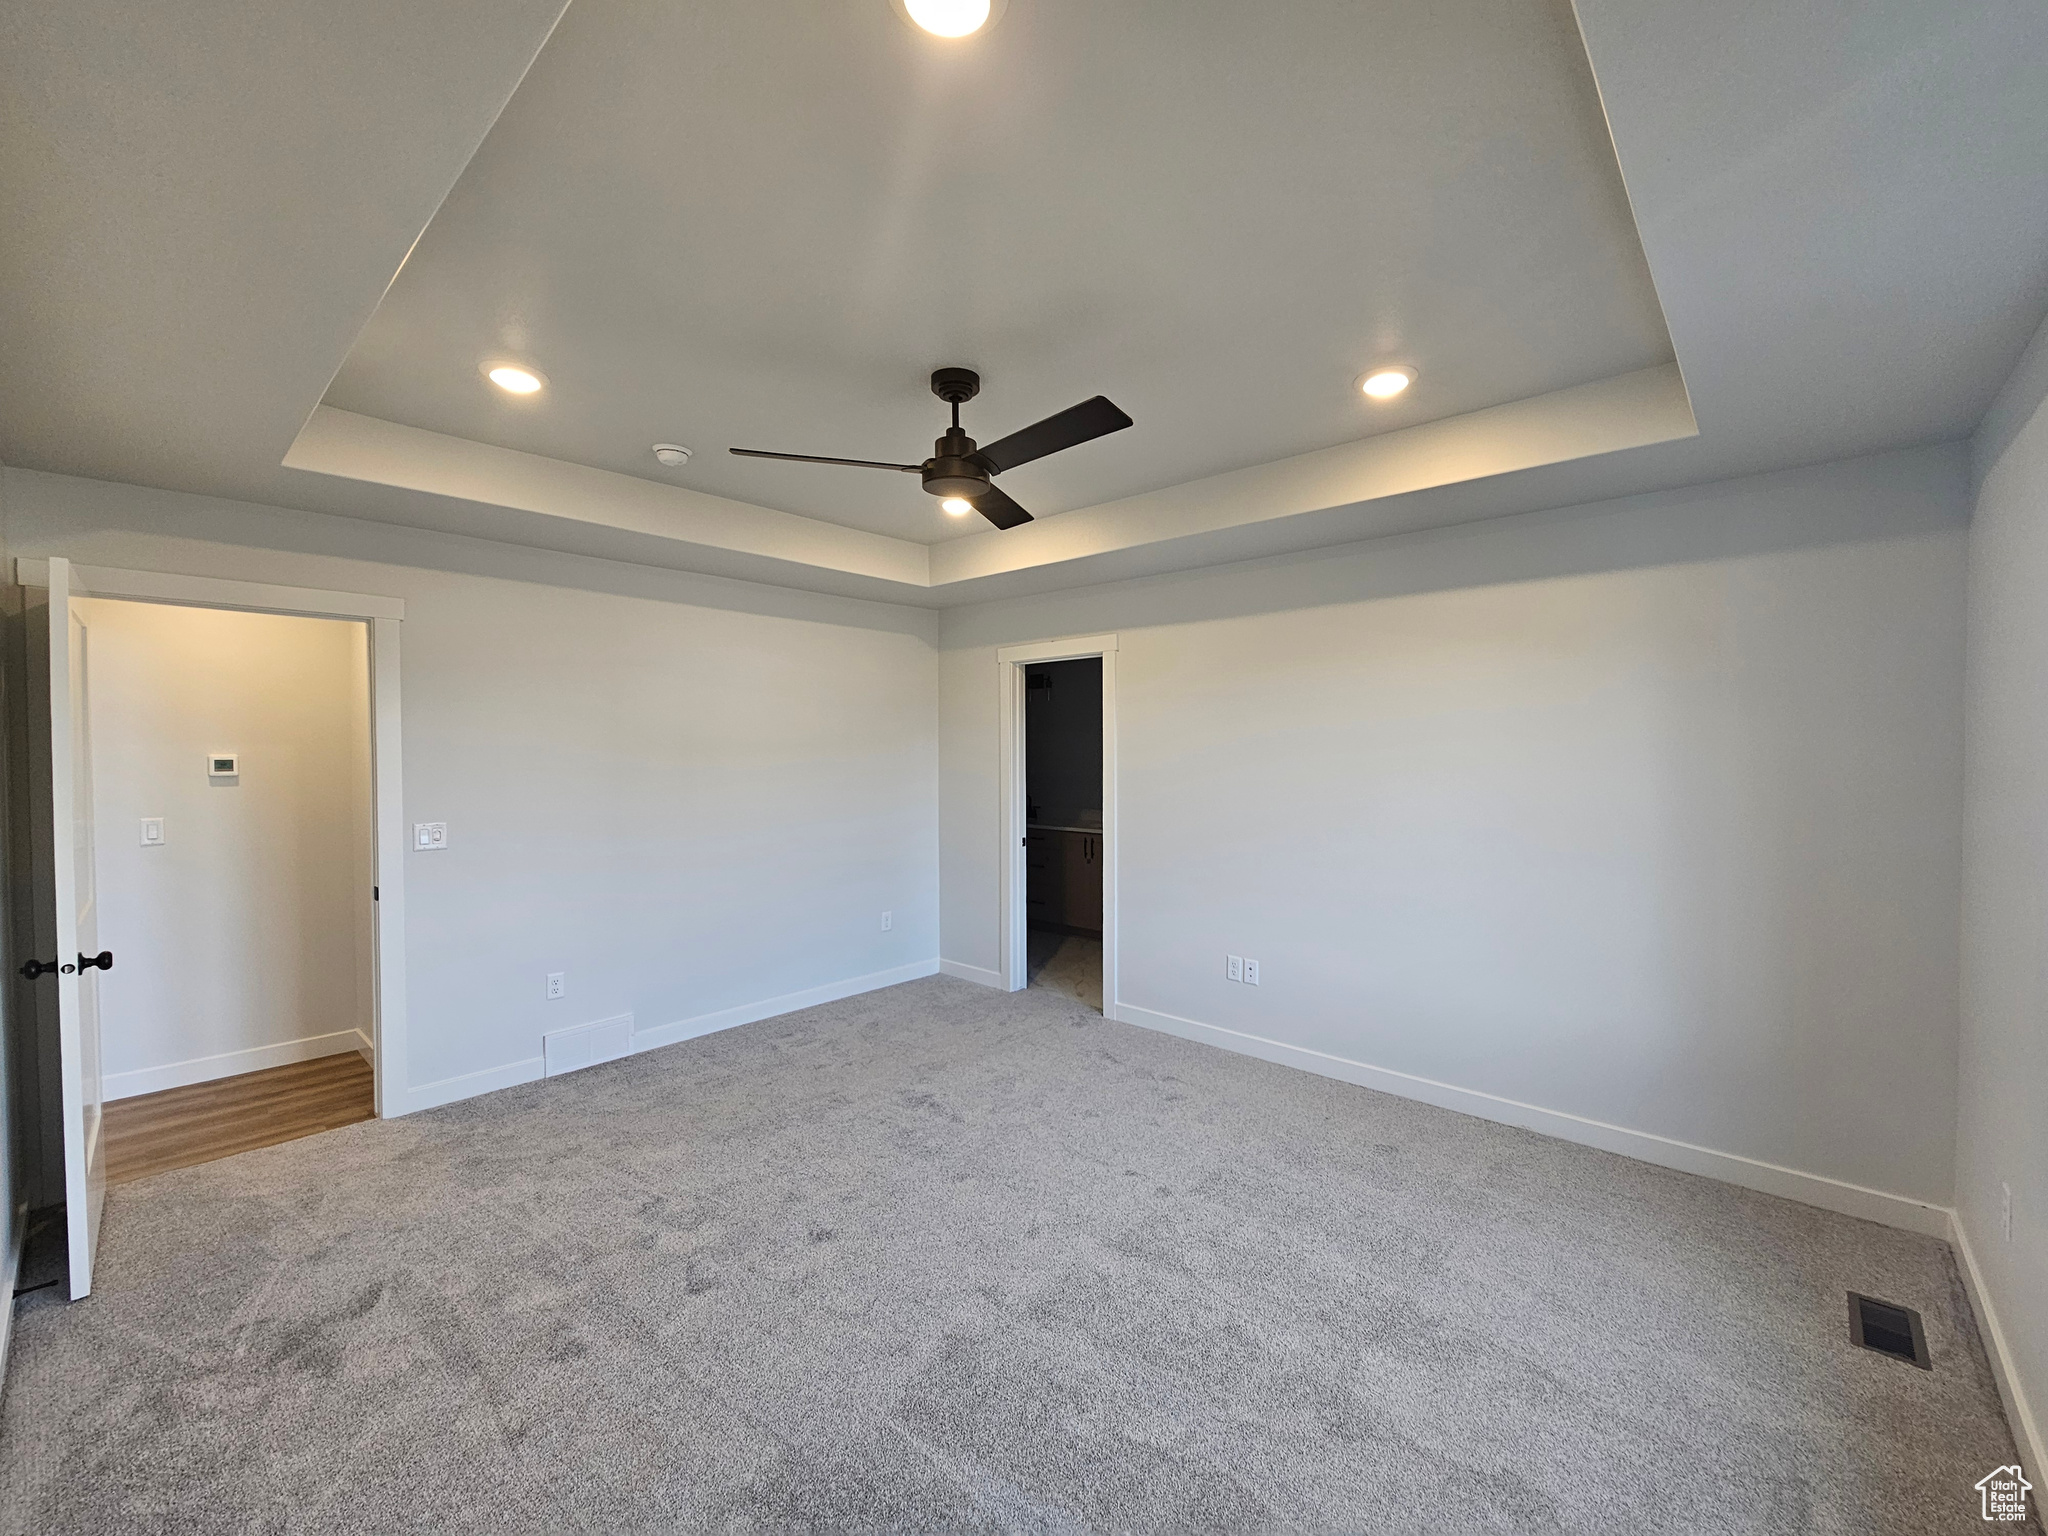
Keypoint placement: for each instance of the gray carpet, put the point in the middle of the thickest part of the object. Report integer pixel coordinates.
(940, 1259)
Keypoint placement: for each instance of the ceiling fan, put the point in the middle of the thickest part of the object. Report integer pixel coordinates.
(957, 468)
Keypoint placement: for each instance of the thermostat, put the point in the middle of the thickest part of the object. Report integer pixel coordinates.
(223, 765)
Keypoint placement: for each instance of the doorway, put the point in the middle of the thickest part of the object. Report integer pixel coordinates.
(71, 769)
(1059, 897)
(230, 780)
(1063, 827)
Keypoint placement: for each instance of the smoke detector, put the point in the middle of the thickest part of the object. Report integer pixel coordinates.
(671, 454)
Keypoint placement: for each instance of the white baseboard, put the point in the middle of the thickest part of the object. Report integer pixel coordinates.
(975, 973)
(365, 1049)
(1809, 1188)
(2019, 1413)
(768, 1008)
(448, 1090)
(204, 1069)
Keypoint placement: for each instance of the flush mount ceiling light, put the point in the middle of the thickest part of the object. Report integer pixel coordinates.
(1385, 383)
(951, 18)
(956, 506)
(514, 379)
(671, 454)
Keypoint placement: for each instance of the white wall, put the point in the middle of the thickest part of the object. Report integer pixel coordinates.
(236, 940)
(693, 796)
(1645, 813)
(2002, 1124)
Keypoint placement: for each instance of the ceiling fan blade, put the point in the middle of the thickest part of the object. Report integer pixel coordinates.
(1076, 424)
(999, 509)
(812, 458)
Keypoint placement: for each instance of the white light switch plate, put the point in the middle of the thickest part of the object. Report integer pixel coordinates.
(427, 835)
(152, 831)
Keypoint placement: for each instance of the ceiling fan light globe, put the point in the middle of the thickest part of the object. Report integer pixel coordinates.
(956, 506)
(949, 18)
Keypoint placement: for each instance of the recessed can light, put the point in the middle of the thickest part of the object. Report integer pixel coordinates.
(513, 379)
(956, 506)
(671, 454)
(1385, 383)
(951, 18)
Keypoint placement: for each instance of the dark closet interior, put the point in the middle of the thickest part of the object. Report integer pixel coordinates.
(1063, 796)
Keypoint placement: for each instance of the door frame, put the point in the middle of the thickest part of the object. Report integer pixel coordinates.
(1011, 661)
(384, 618)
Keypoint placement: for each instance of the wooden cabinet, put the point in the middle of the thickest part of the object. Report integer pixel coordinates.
(1045, 896)
(1063, 878)
(1082, 870)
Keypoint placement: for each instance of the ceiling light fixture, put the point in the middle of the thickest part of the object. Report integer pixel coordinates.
(1385, 383)
(950, 18)
(956, 506)
(513, 379)
(671, 454)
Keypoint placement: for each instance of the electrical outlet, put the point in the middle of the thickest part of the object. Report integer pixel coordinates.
(888, 921)
(555, 984)
(2005, 1210)
(1233, 967)
(1251, 973)
(428, 835)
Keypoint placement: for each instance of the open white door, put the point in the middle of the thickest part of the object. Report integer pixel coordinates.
(1015, 937)
(79, 959)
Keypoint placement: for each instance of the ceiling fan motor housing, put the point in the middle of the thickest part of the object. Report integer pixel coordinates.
(953, 470)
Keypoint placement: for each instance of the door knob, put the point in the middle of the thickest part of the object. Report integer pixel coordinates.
(104, 961)
(34, 968)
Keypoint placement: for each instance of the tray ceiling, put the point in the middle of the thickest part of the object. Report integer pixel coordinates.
(762, 225)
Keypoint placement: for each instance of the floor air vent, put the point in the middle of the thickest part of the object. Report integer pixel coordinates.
(1888, 1329)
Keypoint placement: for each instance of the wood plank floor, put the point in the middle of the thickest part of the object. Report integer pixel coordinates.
(155, 1132)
